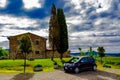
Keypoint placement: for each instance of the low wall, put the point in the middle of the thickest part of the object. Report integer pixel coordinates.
(49, 54)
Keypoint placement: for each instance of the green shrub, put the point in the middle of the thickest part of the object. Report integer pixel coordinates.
(107, 66)
(38, 67)
(118, 63)
(55, 63)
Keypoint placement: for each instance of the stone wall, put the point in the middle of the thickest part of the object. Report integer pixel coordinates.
(38, 43)
(49, 54)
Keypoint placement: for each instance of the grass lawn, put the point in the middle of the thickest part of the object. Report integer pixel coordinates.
(14, 66)
(17, 65)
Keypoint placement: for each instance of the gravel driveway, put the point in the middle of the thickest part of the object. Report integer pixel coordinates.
(60, 75)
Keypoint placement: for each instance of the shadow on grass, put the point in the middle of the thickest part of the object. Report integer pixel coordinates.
(23, 76)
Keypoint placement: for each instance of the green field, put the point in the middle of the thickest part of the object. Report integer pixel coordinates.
(11, 66)
(114, 62)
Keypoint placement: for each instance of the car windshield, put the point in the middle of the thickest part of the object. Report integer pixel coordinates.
(74, 59)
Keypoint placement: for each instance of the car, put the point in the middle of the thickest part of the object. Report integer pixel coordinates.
(80, 63)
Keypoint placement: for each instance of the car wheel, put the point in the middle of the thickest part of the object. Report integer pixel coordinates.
(94, 68)
(65, 71)
(76, 70)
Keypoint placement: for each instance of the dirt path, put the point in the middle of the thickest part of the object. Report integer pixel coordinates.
(87, 75)
(60, 75)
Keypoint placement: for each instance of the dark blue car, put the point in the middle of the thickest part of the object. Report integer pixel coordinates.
(80, 63)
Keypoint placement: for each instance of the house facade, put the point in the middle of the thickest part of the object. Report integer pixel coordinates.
(38, 44)
(39, 48)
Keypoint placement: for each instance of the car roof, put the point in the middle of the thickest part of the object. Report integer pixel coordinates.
(80, 56)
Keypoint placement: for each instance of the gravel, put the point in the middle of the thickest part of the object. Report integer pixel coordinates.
(61, 75)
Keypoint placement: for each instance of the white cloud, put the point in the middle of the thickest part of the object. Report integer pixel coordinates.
(103, 29)
(11, 25)
(30, 4)
(85, 4)
(11, 21)
(105, 5)
(76, 20)
(76, 3)
(3, 3)
(3, 38)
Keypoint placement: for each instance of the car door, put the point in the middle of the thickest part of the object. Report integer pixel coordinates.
(84, 63)
(91, 62)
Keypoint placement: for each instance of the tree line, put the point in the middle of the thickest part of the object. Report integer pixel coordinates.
(100, 49)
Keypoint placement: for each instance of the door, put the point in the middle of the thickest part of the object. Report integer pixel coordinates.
(84, 63)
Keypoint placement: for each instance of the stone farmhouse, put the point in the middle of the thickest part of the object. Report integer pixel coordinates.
(40, 49)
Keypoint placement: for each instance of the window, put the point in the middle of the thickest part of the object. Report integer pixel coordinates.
(91, 59)
(37, 52)
(84, 60)
(19, 42)
(74, 59)
(37, 42)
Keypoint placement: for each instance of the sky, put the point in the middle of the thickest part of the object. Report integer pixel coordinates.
(90, 22)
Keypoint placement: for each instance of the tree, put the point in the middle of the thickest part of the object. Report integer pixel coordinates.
(3, 53)
(53, 30)
(25, 47)
(91, 52)
(63, 33)
(81, 52)
(101, 51)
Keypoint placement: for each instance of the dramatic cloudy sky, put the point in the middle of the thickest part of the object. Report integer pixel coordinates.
(90, 22)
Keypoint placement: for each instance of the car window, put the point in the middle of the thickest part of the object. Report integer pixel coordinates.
(91, 59)
(74, 59)
(84, 60)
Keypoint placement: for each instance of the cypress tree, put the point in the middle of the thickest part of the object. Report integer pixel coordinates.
(53, 30)
(63, 33)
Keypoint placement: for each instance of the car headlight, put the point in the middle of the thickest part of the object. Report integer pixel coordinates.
(72, 65)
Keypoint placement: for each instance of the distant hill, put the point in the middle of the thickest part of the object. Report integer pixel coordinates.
(112, 54)
(95, 53)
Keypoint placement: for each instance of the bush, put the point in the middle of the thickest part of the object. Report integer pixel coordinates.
(63, 61)
(38, 67)
(55, 63)
(31, 59)
(118, 63)
(106, 66)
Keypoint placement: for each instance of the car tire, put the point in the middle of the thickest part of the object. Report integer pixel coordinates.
(65, 71)
(94, 68)
(76, 70)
